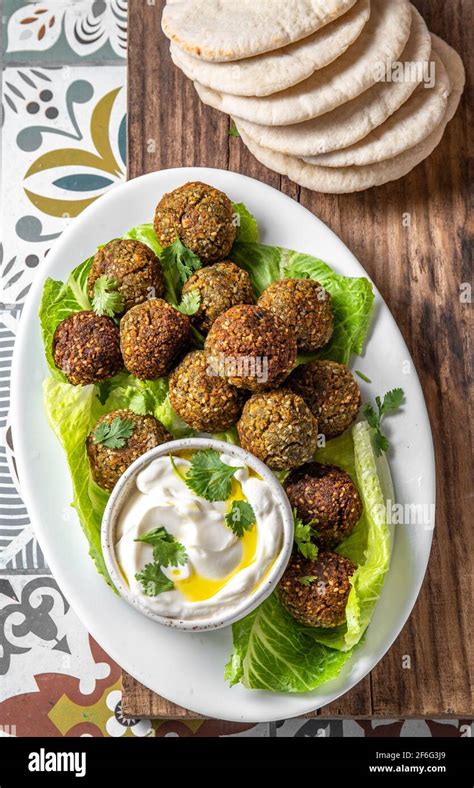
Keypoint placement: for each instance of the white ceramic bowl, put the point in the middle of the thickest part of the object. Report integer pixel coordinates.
(127, 482)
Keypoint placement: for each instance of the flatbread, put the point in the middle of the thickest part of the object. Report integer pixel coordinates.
(381, 42)
(271, 72)
(343, 180)
(221, 30)
(352, 121)
(411, 124)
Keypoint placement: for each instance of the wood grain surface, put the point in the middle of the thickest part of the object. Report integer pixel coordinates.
(420, 270)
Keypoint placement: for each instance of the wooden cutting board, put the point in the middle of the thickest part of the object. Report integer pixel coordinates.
(412, 238)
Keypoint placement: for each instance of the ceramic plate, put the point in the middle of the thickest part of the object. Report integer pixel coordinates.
(187, 668)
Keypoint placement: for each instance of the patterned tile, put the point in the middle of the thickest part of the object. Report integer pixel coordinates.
(63, 147)
(64, 31)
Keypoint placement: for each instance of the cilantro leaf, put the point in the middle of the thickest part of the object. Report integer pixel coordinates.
(190, 302)
(240, 518)
(306, 580)
(179, 257)
(153, 580)
(114, 435)
(392, 401)
(167, 551)
(303, 534)
(209, 477)
(107, 300)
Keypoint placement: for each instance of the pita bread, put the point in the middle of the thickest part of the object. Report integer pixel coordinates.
(221, 30)
(352, 121)
(275, 71)
(380, 43)
(411, 124)
(342, 180)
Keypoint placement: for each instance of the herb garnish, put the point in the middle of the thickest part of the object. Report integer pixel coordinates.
(240, 518)
(178, 257)
(306, 580)
(209, 477)
(303, 534)
(153, 580)
(107, 300)
(167, 551)
(115, 435)
(190, 302)
(392, 401)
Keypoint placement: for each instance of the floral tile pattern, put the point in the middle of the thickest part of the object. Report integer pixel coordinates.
(63, 146)
(64, 31)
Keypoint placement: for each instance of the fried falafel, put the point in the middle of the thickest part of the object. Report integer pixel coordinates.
(315, 592)
(203, 400)
(135, 268)
(251, 347)
(278, 428)
(86, 347)
(201, 216)
(331, 392)
(220, 286)
(107, 464)
(305, 307)
(152, 336)
(325, 496)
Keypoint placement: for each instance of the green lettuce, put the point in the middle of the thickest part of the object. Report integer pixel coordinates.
(272, 651)
(59, 300)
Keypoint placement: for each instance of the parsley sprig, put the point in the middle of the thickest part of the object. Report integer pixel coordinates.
(167, 551)
(114, 435)
(209, 477)
(392, 401)
(241, 518)
(107, 300)
(179, 258)
(303, 536)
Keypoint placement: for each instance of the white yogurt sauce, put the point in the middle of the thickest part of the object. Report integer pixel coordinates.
(222, 569)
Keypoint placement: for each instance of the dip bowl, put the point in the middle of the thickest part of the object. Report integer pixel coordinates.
(126, 485)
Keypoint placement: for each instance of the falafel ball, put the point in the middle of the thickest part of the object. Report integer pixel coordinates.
(86, 347)
(152, 336)
(305, 307)
(326, 496)
(201, 217)
(203, 400)
(220, 286)
(107, 465)
(331, 392)
(320, 600)
(251, 347)
(279, 428)
(135, 268)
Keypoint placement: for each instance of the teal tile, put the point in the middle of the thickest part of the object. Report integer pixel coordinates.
(62, 31)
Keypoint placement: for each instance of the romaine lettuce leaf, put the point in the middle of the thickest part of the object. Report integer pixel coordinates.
(273, 651)
(59, 300)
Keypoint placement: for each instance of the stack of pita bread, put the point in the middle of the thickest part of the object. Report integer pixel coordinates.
(339, 95)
